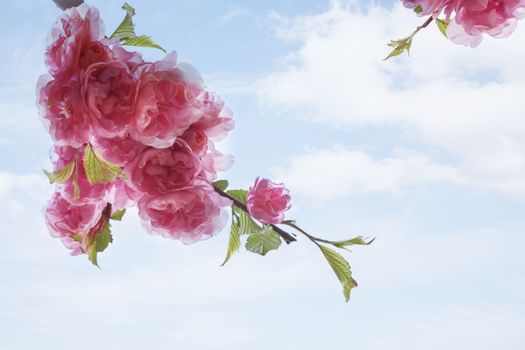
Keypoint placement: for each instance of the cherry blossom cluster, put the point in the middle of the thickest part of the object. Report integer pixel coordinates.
(468, 20)
(132, 133)
(128, 133)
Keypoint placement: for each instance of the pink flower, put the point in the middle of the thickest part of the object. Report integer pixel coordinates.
(117, 150)
(267, 201)
(108, 90)
(163, 170)
(88, 193)
(473, 17)
(74, 42)
(498, 18)
(63, 111)
(189, 214)
(71, 223)
(164, 104)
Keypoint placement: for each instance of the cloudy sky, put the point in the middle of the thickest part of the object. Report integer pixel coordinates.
(426, 153)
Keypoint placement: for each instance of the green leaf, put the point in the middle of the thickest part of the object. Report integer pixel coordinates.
(418, 9)
(442, 25)
(341, 269)
(221, 184)
(142, 41)
(399, 46)
(359, 240)
(262, 243)
(62, 175)
(98, 170)
(234, 242)
(246, 224)
(240, 195)
(126, 31)
(100, 243)
(117, 216)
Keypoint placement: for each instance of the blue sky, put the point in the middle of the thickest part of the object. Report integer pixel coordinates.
(426, 153)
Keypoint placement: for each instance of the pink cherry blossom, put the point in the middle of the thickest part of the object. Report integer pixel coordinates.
(71, 223)
(164, 104)
(498, 18)
(189, 214)
(473, 18)
(267, 201)
(108, 90)
(62, 109)
(75, 42)
(88, 193)
(163, 170)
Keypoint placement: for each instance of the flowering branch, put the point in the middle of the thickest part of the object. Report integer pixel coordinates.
(154, 148)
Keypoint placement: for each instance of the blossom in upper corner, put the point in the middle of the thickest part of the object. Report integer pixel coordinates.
(190, 214)
(267, 201)
(473, 18)
(498, 18)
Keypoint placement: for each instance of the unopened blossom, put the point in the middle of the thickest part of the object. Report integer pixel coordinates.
(268, 201)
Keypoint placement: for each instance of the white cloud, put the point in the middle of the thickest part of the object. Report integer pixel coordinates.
(337, 173)
(466, 102)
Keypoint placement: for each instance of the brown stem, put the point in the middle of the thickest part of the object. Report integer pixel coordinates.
(288, 238)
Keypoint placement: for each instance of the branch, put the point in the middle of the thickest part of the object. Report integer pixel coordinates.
(288, 238)
(65, 4)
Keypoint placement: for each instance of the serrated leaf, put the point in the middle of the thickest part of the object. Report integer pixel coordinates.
(62, 175)
(341, 268)
(100, 243)
(117, 215)
(262, 243)
(221, 184)
(442, 25)
(234, 242)
(98, 170)
(399, 46)
(246, 223)
(418, 9)
(126, 31)
(359, 240)
(240, 195)
(142, 41)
